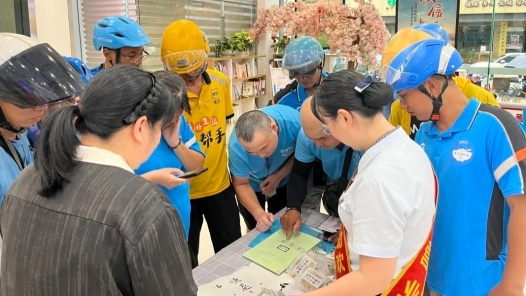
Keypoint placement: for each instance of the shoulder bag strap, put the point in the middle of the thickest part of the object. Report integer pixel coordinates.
(342, 182)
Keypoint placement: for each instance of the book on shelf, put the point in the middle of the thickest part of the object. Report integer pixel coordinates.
(243, 70)
(253, 87)
(221, 68)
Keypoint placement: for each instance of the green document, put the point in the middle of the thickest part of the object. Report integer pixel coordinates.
(276, 253)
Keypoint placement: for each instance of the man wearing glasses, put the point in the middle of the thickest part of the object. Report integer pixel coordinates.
(315, 142)
(261, 149)
(121, 40)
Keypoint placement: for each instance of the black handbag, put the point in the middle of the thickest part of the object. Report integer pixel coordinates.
(332, 193)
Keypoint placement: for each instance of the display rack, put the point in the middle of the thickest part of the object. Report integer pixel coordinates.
(247, 82)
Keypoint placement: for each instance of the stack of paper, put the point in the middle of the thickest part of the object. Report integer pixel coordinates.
(276, 253)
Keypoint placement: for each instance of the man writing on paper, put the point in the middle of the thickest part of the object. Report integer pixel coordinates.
(260, 159)
(316, 143)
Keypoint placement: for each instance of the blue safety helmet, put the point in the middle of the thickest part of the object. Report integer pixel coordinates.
(435, 30)
(302, 56)
(80, 67)
(412, 66)
(116, 32)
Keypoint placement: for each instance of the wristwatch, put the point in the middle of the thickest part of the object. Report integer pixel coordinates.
(176, 146)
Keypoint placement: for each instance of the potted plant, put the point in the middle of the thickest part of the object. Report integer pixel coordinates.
(242, 43)
(223, 47)
(279, 43)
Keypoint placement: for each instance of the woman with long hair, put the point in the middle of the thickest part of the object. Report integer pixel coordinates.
(79, 221)
(388, 208)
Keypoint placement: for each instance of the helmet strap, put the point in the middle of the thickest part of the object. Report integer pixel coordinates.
(7, 126)
(319, 79)
(437, 101)
(118, 56)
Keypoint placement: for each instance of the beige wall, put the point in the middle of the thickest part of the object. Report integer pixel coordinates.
(53, 26)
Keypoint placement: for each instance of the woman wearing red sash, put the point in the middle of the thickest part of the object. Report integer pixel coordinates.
(387, 211)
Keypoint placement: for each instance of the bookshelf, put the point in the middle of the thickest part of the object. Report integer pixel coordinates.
(247, 83)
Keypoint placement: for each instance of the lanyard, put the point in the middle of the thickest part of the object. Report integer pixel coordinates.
(11, 150)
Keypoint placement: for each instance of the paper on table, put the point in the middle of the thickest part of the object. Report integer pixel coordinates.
(276, 226)
(332, 224)
(276, 253)
(248, 280)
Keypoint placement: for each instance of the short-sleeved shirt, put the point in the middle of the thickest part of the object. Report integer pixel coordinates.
(243, 164)
(9, 170)
(210, 111)
(164, 157)
(96, 70)
(388, 209)
(295, 98)
(479, 161)
(332, 159)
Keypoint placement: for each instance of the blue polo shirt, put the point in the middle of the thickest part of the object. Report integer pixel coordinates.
(479, 162)
(332, 159)
(296, 97)
(96, 70)
(9, 170)
(164, 157)
(243, 164)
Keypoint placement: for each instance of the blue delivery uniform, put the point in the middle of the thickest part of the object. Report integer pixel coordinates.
(330, 162)
(332, 159)
(9, 169)
(296, 97)
(164, 157)
(243, 164)
(479, 161)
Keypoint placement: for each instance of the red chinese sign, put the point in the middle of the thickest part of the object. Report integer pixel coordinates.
(410, 13)
(436, 10)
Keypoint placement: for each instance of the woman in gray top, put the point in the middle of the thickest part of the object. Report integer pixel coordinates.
(79, 221)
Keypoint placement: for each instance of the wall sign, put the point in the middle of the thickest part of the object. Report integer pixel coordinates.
(410, 13)
(486, 3)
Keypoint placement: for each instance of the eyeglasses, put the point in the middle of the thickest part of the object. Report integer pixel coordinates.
(325, 129)
(135, 59)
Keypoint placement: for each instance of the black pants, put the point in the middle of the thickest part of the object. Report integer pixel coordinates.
(274, 205)
(220, 212)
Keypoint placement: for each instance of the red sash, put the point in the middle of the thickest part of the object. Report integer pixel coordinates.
(410, 281)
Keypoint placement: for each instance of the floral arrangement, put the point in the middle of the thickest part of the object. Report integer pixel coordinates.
(357, 33)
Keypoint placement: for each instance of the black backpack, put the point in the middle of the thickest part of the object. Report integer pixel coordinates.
(282, 92)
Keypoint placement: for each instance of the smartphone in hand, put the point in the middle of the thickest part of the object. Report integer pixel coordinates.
(192, 174)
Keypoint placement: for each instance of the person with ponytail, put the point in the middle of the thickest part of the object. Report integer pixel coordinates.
(90, 225)
(388, 207)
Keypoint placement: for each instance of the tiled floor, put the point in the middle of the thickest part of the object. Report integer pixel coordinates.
(206, 250)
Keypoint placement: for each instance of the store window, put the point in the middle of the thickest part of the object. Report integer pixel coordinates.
(491, 40)
(215, 17)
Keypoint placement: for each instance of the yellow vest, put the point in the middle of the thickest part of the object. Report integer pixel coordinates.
(210, 111)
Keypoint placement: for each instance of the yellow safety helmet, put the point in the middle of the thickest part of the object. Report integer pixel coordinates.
(400, 41)
(184, 47)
